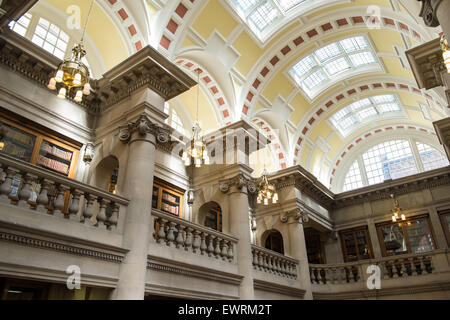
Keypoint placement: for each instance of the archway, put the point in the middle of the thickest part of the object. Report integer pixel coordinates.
(210, 215)
(273, 240)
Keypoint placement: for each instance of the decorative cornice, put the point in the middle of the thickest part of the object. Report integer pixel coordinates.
(144, 126)
(60, 247)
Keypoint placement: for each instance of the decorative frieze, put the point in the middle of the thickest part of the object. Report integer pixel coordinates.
(60, 247)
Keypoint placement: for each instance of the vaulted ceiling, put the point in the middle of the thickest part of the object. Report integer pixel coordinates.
(245, 51)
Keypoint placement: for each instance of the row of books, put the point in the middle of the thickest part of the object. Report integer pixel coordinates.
(14, 150)
(53, 164)
(20, 137)
(170, 198)
(168, 208)
(56, 151)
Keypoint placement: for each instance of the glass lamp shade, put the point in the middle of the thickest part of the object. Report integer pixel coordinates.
(52, 84)
(62, 93)
(77, 79)
(79, 96)
(59, 75)
(446, 56)
(87, 89)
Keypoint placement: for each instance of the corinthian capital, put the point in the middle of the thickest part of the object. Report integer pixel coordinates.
(239, 182)
(428, 12)
(298, 215)
(142, 126)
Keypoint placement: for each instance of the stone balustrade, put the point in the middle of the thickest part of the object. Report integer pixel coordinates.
(28, 186)
(401, 266)
(185, 235)
(273, 262)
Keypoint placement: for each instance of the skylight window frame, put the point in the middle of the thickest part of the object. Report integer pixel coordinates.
(310, 95)
(343, 133)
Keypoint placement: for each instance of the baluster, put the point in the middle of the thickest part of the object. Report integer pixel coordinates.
(114, 218)
(89, 209)
(161, 233)
(180, 239)
(270, 263)
(210, 245)
(42, 200)
(59, 202)
(75, 205)
(5, 188)
(265, 260)
(230, 251)
(295, 267)
(171, 234)
(101, 215)
(25, 191)
(224, 251)
(255, 259)
(277, 266)
(283, 267)
(203, 246)
(427, 264)
(217, 250)
(260, 260)
(196, 243)
(188, 242)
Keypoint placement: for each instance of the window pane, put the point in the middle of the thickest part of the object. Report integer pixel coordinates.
(363, 246)
(353, 178)
(315, 79)
(394, 240)
(359, 104)
(264, 15)
(419, 236)
(362, 58)
(354, 44)
(389, 107)
(431, 158)
(328, 52)
(305, 65)
(244, 5)
(337, 66)
(350, 247)
(51, 38)
(288, 4)
(366, 113)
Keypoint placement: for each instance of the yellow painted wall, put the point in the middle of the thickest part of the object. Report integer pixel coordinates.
(249, 52)
(209, 19)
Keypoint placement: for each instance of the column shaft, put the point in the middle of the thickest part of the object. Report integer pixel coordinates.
(138, 228)
(240, 228)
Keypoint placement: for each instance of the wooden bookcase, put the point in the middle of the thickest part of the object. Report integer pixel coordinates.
(356, 244)
(30, 143)
(445, 221)
(213, 219)
(167, 197)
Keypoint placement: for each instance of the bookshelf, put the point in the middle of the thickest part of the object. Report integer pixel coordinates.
(314, 247)
(356, 244)
(167, 197)
(29, 142)
(445, 220)
(213, 219)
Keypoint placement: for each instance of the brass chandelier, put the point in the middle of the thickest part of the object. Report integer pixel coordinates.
(396, 211)
(445, 52)
(73, 73)
(196, 151)
(266, 191)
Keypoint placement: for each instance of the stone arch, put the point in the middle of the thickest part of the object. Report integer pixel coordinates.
(105, 172)
(210, 215)
(272, 239)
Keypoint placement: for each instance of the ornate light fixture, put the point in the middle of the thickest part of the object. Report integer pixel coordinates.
(266, 190)
(73, 73)
(196, 151)
(396, 211)
(445, 52)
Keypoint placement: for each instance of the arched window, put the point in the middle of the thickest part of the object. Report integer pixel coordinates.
(274, 241)
(391, 160)
(21, 26)
(51, 38)
(351, 117)
(173, 120)
(332, 63)
(211, 214)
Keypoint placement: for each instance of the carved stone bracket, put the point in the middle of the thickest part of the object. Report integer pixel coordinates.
(89, 151)
(239, 182)
(428, 12)
(142, 126)
(299, 215)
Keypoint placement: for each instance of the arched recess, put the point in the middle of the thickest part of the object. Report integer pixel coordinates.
(349, 153)
(210, 215)
(273, 240)
(106, 173)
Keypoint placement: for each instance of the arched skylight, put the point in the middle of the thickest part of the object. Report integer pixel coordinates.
(392, 160)
(332, 63)
(352, 116)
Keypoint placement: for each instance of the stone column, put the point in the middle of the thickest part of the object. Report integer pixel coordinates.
(374, 239)
(435, 13)
(436, 224)
(240, 228)
(297, 245)
(141, 137)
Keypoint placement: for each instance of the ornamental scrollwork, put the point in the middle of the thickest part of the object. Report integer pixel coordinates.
(299, 215)
(142, 126)
(428, 12)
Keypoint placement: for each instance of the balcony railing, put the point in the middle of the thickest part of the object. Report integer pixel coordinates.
(274, 262)
(185, 235)
(28, 186)
(411, 265)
